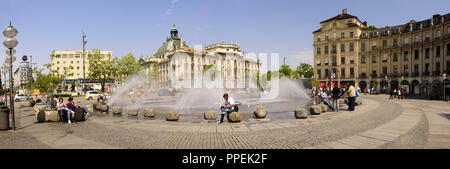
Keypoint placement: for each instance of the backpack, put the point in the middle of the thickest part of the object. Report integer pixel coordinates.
(357, 94)
(79, 115)
(236, 108)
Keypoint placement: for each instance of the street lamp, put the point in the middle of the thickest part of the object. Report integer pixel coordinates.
(10, 42)
(444, 76)
(84, 62)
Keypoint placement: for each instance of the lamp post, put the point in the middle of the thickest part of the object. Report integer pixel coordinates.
(84, 62)
(444, 76)
(10, 42)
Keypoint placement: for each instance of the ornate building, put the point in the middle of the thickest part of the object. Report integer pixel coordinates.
(177, 65)
(412, 56)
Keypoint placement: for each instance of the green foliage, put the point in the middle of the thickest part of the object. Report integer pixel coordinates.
(314, 82)
(306, 70)
(371, 27)
(285, 71)
(102, 68)
(126, 66)
(46, 83)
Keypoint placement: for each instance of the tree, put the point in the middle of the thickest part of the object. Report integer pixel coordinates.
(126, 66)
(315, 82)
(306, 70)
(285, 71)
(101, 68)
(46, 83)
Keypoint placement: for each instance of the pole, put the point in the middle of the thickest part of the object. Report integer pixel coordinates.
(6, 94)
(11, 90)
(84, 68)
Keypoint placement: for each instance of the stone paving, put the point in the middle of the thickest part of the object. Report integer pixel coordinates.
(378, 123)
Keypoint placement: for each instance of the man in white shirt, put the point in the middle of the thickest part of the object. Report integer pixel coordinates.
(227, 108)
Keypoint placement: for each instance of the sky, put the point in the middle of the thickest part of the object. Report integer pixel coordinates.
(141, 26)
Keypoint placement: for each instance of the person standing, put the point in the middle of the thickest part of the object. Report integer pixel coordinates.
(391, 95)
(351, 93)
(399, 94)
(336, 94)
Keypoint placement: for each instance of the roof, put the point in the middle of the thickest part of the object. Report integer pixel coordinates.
(340, 17)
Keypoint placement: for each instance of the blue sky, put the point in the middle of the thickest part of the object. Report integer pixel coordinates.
(141, 26)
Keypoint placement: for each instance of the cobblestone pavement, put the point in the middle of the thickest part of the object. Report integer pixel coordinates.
(398, 124)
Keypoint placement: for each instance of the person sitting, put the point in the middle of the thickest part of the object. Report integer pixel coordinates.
(227, 108)
(71, 105)
(99, 98)
(63, 109)
(324, 99)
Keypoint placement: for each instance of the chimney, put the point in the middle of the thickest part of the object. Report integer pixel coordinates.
(344, 11)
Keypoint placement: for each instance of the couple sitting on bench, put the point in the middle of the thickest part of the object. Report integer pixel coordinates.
(69, 109)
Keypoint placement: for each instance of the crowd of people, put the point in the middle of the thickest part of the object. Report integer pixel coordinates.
(69, 109)
(336, 93)
(398, 93)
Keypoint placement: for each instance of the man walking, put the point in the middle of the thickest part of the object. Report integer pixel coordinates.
(227, 108)
(351, 93)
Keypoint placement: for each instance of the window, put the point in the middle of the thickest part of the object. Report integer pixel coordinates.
(342, 47)
(78, 61)
(416, 55)
(438, 67)
(352, 71)
(78, 68)
(352, 60)
(318, 39)
(319, 73)
(384, 43)
(395, 43)
(349, 22)
(64, 56)
(363, 46)
(374, 58)
(427, 65)
(384, 57)
(71, 62)
(318, 50)
(416, 68)
(326, 72)
(417, 38)
(395, 58)
(57, 62)
(334, 24)
(326, 37)
(342, 34)
(77, 56)
(427, 53)
(448, 49)
(363, 59)
(405, 69)
(334, 49)
(58, 56)
(351, 47)
(374, 45)
(57, 68)
(438, 51)
(405, 56)
(342, 59)
(427, 36)
(342, 72)
(438, 33)
(406, 40)
(384, 70)
(351, 34)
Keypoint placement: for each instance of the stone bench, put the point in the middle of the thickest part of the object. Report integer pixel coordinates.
(301, 113)
(260, 112)
(210, 115)
(117, 110)
(235, 117)
(315, 110)
(100, 106)
(47, 116)
(149, 113)
(172, 115)
(133, 112)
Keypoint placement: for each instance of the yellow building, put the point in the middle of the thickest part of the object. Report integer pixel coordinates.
(73, 62)
(412, 56)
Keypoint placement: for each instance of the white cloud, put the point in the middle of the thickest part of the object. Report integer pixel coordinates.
(172, 5)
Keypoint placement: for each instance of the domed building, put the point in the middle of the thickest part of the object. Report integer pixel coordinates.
(177, 65)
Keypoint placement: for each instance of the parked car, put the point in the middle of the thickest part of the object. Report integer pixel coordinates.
(93, 95)
(20, 97)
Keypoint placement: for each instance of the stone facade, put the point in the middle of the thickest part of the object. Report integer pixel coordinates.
(412, 56)
(177, 65)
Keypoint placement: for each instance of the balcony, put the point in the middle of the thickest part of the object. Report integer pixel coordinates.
(383, 75)
(425, 73)
(437, 73)
(373, 76)
(405, 74)
(363, 49)
(326, 64)
(415, 74)
(363, 75)
(394, 46)
(333, 51)
(406, 45)
(333, 64)
(351, 76)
